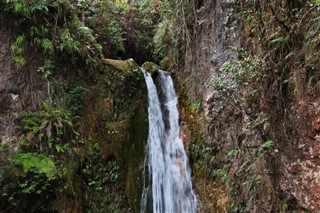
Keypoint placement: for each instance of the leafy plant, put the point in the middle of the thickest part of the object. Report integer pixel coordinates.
(246, 175)
(47, 68)
(26, 8)
(5, 150)
(195, 106)
(101, 178)
(75, 97)
(47, 46)
(27, 182)
(68, 43)
(244, 71)
(35, 162)
(48, 124)
(220, 84)
(17, 49)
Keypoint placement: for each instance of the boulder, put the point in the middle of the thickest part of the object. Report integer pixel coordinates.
(150, 67)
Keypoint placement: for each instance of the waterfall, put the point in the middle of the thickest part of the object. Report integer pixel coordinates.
(167, 178)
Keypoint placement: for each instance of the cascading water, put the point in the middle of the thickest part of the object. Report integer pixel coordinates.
(166, 161)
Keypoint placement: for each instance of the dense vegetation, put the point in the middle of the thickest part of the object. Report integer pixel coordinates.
(66, 155)
(68, 152)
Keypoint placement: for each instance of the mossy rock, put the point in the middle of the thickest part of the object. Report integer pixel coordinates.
(126, 66)
(150, 67)
(133, 151)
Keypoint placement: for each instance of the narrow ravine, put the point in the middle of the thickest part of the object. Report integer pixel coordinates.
(167, 185)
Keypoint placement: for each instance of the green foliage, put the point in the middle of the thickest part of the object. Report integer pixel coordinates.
(70, 36)
(47, 68)
(166, 37)
(175, 31)
(247, 174)
(26, 8)
(56, 28)
(75, 97)
(115, 34)
(5, 150)
(17, 49)
(26, 182)
(35, 162)
(47, 125)
(246, 70)
(101, 178)
(195, 106)
(68, 43)
(266, 145)
(103, 24)
(205, 155)
(47, 46)
(221, 84)
(222, 173)
(164, 29)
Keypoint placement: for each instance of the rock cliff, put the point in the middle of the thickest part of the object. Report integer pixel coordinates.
(253, 69)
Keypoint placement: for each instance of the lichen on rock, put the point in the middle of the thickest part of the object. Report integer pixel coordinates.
(126, 66)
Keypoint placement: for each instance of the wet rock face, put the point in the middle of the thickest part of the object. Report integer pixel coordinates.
(211, 47)
(20, 89)
(7, 89)
(291, 174)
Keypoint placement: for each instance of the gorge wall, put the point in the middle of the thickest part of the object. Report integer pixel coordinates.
(253, 67)
(19, 88)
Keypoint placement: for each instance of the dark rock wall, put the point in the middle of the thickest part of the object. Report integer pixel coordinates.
(20, 89)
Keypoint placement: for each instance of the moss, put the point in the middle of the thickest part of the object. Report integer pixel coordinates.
(133, 151)
(198, 170)
(150, 67)
(126, 66)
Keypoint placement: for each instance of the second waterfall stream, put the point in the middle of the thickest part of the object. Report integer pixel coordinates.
(167, 176)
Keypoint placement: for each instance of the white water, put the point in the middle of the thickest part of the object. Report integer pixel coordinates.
(166, 161)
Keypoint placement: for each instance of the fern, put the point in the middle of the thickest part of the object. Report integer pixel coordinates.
(68, 43)
(47, 124)
(35, 162)
(17, 49)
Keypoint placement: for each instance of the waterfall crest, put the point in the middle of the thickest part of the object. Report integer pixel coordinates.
(167, 185)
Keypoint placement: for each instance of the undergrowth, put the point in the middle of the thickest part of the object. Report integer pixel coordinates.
(66, 157)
